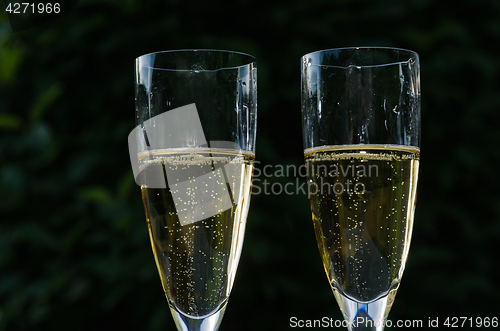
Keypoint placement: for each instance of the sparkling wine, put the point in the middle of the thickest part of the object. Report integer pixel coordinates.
(362, 201)
(196, 222)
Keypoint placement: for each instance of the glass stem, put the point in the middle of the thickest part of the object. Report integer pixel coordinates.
(198, 323)
(369, 316)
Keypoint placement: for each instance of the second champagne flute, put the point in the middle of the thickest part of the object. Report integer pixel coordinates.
(361, 126)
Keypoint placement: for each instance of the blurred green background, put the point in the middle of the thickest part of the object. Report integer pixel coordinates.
(74, 248)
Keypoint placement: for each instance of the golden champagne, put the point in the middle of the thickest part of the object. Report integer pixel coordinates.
(362, 201)
(196, 222)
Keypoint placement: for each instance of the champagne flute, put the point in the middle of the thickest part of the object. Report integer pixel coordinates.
(192, 153)
(361, 130)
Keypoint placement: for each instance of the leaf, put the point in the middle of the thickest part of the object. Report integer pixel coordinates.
(96, 194)
(10, 122)
(11, 58)
(44, 101)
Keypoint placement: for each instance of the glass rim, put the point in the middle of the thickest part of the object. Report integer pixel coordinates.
(411, 55)
(251, 59)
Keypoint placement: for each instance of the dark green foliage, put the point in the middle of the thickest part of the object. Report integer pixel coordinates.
(74, 248)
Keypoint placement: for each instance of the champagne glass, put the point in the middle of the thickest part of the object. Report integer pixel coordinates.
(361, 130)
(192, 153)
